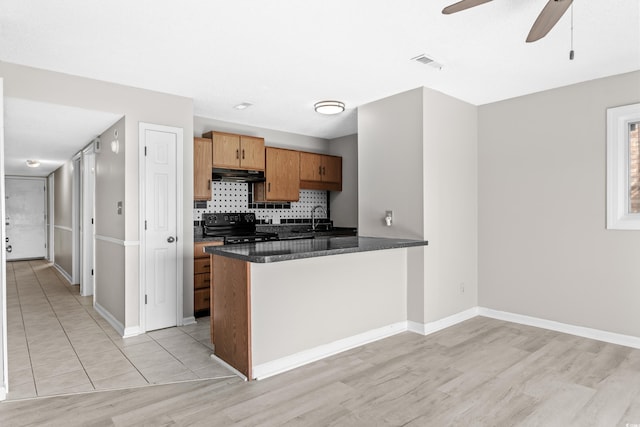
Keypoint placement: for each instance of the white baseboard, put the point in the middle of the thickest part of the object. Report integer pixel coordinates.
(438, 325)
(119, 327)
(64, 273)
(287, 363)
(3, 393)
(132, 331)
(594, 334)
(189, 321)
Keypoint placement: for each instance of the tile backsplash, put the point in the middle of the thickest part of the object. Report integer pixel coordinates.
(238, 197)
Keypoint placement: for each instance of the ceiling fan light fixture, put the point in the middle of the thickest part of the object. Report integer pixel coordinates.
(33, 163)
(329, 107)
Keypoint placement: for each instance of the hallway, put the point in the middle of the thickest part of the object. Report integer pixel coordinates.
(58, 344)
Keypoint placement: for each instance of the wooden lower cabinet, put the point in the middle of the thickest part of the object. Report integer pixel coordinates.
(231, 317)
(202, 279)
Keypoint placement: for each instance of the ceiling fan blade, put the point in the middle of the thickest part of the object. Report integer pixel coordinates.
(462, 5)
(550, 15)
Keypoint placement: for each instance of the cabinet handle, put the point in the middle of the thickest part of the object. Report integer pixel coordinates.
(269, 188)
(320, 170)
(208, 184)
(324, 171)
(237, 154)
(243, 154)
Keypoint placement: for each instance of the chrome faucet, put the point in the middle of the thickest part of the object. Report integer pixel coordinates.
(313, 216)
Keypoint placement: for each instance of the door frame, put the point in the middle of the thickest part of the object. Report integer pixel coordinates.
(4, 357)
(142, 169)
(87, 226)
(50, 217)
(76, 207)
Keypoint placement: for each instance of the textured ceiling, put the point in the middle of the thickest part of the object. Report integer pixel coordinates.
(49, 133)
(282, 56)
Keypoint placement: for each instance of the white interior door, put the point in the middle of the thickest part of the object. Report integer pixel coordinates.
(25, 217)
(162, 281)
(86, 224)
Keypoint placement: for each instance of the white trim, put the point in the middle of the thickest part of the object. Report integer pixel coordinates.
(50, 217)
(229, 367)
(438, 325)
(117, 241)
(132, 331)
(189, 321)
(119, 327)
(62, 227)
(287, 363)
(64, 273)
(618, 121)
(580, 331)
(75, 218)
(3, 393)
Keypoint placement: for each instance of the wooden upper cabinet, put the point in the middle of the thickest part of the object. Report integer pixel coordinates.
(320, 172)
(201, 169)
(231, 151)
(282, 177)
(252, 154)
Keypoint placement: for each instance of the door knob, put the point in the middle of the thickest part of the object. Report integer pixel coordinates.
(171, 239)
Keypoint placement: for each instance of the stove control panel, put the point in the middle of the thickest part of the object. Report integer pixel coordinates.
(225, 219)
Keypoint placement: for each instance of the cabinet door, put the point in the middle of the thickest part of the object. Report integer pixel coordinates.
(283, 175)
(226, 150)
(310, 167)
(252, 153)
(331, 169)
(201, 169)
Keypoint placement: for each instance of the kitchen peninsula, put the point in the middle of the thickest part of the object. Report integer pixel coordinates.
(278, 305)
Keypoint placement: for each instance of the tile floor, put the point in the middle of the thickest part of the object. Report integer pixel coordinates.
(58, 344)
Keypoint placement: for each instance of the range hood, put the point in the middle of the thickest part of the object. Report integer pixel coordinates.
(235, 175)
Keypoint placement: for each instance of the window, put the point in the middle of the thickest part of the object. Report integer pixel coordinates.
(623, 167)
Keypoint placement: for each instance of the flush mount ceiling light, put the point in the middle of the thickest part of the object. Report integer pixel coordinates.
(242, 106)
(329, 107)
(33, 163)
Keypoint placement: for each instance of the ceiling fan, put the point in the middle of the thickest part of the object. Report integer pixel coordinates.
(550, 15)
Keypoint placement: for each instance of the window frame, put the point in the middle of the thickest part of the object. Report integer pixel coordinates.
(618, 155)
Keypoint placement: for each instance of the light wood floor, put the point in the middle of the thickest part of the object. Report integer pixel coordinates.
(482, 372)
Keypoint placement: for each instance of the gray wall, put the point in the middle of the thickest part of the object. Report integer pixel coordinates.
(137, 105)
(110, 186)
(417, 156)
(344, 204)
(544, 250)
(63, 205)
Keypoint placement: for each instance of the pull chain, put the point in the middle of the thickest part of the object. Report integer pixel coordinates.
(571, 53)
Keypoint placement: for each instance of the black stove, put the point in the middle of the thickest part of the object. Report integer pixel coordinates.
(235, 228)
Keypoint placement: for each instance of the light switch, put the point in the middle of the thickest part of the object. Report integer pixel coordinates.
(119, 208)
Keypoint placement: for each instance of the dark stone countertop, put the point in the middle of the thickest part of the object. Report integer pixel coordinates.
(286, 250)
(286, 232)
